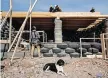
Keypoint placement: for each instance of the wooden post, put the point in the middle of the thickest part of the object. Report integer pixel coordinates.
(106, 46)
(106, 36)
(30, 29)
(103, 45)
(14, 39)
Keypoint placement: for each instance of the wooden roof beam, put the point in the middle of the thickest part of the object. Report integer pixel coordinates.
(58, 14)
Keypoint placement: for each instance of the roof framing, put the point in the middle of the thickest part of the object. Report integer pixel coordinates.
(58, 14)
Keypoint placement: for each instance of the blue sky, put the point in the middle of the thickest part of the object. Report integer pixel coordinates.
(65, 5)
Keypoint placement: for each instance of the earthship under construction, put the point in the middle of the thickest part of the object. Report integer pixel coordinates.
(77, 34)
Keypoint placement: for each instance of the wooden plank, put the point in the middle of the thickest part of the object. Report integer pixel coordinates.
(94, 24)
(78, 19)
(81, 29)
(98, 20)
(101, 18)
(4, 41)
(60, 14)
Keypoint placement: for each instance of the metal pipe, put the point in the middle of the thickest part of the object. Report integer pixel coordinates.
(23, 25)
(93, 39)
(80, 48)
(43, 37)
(10, 28)
(90, 38)
(94, 36)
(37, 31)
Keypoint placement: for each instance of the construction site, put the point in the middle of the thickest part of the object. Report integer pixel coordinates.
(79, 38)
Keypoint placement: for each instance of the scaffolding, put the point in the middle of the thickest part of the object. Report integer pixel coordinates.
(19, 33)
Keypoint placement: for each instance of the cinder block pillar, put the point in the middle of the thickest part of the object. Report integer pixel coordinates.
(58, 30)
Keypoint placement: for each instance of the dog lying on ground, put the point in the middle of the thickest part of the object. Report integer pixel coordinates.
(55, 67)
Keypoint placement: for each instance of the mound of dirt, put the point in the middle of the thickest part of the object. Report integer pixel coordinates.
(74, 68)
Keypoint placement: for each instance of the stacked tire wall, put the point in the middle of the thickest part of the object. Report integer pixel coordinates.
(71, 49)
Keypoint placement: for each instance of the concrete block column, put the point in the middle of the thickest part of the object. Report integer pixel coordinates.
(58, 30)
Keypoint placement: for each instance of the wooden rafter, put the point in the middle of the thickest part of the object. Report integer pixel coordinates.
(92, 24)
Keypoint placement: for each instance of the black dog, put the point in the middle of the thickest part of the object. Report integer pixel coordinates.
(55, 67)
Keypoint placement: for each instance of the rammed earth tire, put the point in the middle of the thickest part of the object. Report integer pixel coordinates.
(99, 53)
(44, 50)
(84, 50)
(73, 45)
(87, 53)
(48, 54)
(61, 54)
(75, 55)
(93, 50)
(96, 45)
(69, 50)
(49, 46)
(62, 45)
(56, 50)
(86, 45)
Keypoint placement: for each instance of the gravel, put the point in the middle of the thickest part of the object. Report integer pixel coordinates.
(74, 67)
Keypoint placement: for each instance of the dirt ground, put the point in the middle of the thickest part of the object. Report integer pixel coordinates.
(74, 68)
